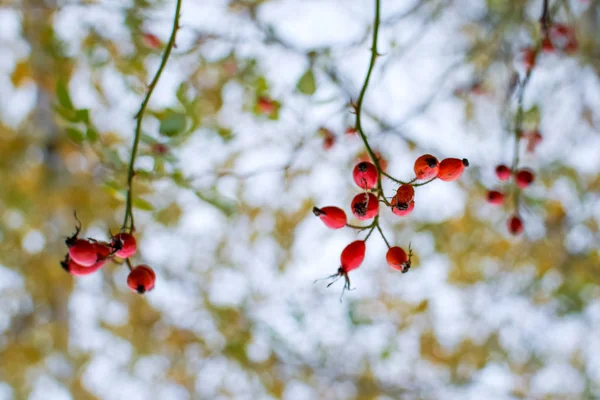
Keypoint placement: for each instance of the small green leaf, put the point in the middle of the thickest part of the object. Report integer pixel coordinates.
(62, 93)
(532, 116)
(213, 199)
(225, 133)
(82, 115)
(306, 84)
(92, 135)
(67, 115)
(142, 204)
(75, 135)
(173, 124)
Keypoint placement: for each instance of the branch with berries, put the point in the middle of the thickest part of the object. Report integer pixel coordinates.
(86, 256)
(368, 175)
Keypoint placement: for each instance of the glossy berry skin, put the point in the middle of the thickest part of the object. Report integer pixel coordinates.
(352, 256)
(515, 225)
(503, 172)
(495, 197)
(332, 217)
(524, 178)
(365, 175)
(404, 195)
(78, 270)
(399, 212)
(103, 250)
(396, 258)
(83, 252)
(426, 167)
(128, 245)
(452, 168)
(365, 206)
(141, 279)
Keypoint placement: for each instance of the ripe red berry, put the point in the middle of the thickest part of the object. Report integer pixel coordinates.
(503, 172)
(141, 279)
(529, 56)
(365, 206)
(78, 270)
(452, 168)
(350, 131)
(495, 197)
(128, 245)
(352, 256)
(365, 175)
(83, 252)
(332, 217)
(103, 250)
(364, 156)
(515, 225)
(265, 105)
(426, 167)
(396, 257)
(404, 195)
(524, 178)
(398, 211)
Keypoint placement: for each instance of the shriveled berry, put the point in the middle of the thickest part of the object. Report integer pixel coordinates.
(515, 225)
(332, 217)
(495, 197)
(524, 178)
(452, 168)
(141, 279)
(352, 256)
(79, 270)
(128, 245)
(426, 167)
(365, 175)
(365, 206)
(404, 195)
(503, 172)
(399, 212)
(83, 252)
(396, 257)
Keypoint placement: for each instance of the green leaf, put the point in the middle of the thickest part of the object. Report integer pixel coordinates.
(82, 115)
(532, 116)
(62, 93)
(306, 84)
(66, 114)
(75, 135)
(142, 204)
(225, 133)
(213, 199)
(173, 124)
(92, 135)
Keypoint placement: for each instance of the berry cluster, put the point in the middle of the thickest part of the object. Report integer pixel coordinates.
(522, 179)
(86, 256)
(365, 206)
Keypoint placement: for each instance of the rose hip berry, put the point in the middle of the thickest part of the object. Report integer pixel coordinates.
(515, 225)
(83, 252)
(351, 258)
(503, 172)
(141, 279)
(396, 257)
(452, 168)
(365, 206)
(404, 195)
(495, 197)
(332, 217)
(128, 245)
(426, 167)
(365, 175)
(79, 270)
(399, 212)
(524, 178)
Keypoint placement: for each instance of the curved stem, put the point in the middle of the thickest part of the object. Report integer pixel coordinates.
(361, 97)
(424, 183)
(383, 236)
(140, 115)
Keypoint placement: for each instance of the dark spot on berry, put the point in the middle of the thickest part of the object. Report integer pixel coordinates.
(65, 265)
(431, 162)
(318, 212)
(401, 206)
(360, 209)
(363, 166)
(465, 162)
(140, 289)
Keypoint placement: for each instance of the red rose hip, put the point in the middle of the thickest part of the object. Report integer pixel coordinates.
(524, 178)
(365, 175)
(452, 168)
(515, 225)
(426, 167)
(128, 245)
(83, 252)
(503, 172)
(332, 217)
(495, 197)
(141, 279)
(365, 206)
(400, 212)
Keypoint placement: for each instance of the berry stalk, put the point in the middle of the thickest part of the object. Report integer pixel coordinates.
(128, 219)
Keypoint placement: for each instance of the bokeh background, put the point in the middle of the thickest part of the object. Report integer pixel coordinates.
(223, 207)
